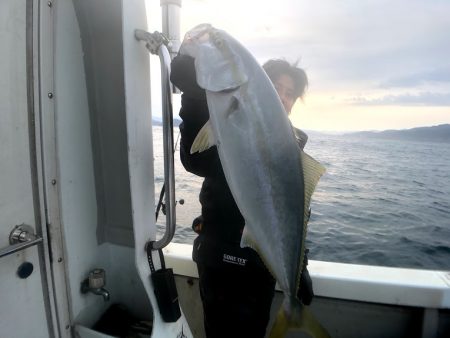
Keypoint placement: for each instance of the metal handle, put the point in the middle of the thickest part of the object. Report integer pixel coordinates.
(169, 169)
(156, 44)
(20, 238)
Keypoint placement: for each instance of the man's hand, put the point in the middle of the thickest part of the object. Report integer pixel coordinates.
(183, 76)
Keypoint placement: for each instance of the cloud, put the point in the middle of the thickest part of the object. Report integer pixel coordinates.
(365, 43)
(420, 99)
(437, 75)
(358, 42)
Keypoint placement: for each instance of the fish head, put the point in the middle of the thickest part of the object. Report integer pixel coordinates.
(218, 67)
(194, 38)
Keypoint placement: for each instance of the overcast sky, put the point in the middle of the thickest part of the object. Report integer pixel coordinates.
(372, 64)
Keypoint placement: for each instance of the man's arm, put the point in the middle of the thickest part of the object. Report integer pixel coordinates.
(194, 113)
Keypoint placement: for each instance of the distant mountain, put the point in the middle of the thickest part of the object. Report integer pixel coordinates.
(157, 121)
(440, 133)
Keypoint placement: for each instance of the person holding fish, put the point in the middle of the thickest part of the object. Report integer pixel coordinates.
(236, 283)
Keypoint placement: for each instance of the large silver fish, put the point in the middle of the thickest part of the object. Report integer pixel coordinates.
(270, 179)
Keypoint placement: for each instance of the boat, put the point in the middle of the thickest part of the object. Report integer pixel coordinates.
(77, 193)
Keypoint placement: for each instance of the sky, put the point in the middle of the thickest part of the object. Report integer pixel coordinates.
(371, 64)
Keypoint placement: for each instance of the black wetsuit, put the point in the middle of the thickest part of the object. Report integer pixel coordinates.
(235, 287)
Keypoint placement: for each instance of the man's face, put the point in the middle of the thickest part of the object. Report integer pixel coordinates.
(285, 89)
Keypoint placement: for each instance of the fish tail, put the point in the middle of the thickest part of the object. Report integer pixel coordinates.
(280, 326)
(305, 322)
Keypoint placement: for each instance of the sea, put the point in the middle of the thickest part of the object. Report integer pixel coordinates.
(381, 202)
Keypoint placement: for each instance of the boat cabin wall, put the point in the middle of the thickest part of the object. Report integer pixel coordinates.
(92, 156)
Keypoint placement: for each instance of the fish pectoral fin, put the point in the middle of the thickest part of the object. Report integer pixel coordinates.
(204, 139)
(305, 322)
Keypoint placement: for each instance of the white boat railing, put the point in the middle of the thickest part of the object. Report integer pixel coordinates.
(365, 283)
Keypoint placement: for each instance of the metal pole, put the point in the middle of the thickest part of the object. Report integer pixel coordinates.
(171, 24)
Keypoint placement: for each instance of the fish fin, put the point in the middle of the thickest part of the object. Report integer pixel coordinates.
(280, 326)
(305, 322)
(204, 139)
(312, 171)
(247, 239)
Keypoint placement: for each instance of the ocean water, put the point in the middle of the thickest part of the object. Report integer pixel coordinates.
(381, 202)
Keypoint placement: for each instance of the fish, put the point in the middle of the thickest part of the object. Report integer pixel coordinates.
(270, 178)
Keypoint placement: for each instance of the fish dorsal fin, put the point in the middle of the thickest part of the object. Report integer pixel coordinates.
(312, 171)
(204, 139)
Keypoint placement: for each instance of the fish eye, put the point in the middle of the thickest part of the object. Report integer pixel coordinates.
(216, 39)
